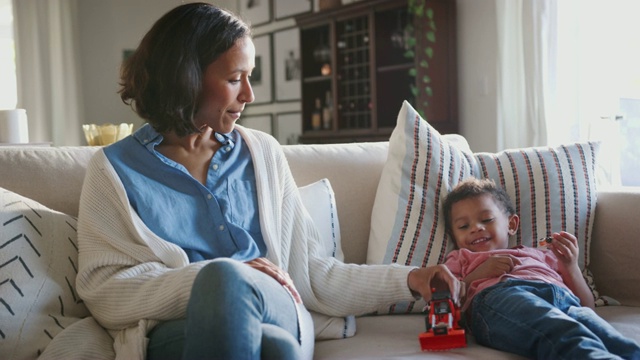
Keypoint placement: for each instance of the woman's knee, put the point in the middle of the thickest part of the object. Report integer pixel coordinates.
(278, 343)
(223, 281)
(218, 272)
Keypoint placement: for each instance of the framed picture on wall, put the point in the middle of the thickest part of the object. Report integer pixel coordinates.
(288, 69)
(255, 12)
(288, 128)
(286, 8)
(261, 79)
(258, 122)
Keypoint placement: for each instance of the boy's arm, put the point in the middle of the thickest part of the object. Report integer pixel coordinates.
(576, 282)
(494, 266)
(565, 247)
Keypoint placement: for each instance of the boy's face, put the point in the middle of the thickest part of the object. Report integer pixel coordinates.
(480, 224)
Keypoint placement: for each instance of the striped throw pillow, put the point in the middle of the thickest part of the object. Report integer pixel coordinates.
(552, 189)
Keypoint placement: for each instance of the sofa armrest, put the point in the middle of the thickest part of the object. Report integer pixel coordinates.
(615, 245)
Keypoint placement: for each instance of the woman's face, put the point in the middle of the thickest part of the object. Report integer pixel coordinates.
(226, 88)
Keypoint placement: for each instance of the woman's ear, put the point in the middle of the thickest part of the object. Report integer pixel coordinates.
(514, 222)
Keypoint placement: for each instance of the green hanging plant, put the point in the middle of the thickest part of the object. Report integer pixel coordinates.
(423, 16)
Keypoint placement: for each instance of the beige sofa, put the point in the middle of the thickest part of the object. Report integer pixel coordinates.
(53, 177)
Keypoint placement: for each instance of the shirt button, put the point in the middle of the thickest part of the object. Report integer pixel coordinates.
(209, 196)
(221, 227)
(228, 148)
(215, 166)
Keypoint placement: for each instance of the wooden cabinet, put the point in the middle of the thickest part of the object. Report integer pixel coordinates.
(353, 60)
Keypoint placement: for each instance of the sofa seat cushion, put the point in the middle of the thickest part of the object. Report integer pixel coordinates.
(396, 337)
(625, 319)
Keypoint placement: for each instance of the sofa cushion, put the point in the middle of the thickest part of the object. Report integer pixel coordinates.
(354, 171)
(38, 265)
(84, 339)
(54, 174)
(396, 337)
(319, 200)
(552, 189)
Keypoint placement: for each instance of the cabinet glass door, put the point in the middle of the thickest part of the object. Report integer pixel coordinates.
(354, 85)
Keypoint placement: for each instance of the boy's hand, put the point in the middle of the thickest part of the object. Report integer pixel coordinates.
(565, 247)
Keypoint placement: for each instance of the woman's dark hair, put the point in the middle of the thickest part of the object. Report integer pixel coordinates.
(471, 188)
(162, 79)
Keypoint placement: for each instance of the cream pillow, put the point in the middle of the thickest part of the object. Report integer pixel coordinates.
(552, 189)
(319, 200)
(38, 267)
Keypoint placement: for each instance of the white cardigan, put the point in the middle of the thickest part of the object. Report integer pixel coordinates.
(129, 276)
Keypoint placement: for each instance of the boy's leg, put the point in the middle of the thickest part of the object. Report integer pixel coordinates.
(520, 317)
(612, 338)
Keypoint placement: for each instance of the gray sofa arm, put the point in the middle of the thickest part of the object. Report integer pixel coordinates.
(615, 245)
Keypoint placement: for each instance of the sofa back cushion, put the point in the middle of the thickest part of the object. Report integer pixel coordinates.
(51, 176)
(354, 171)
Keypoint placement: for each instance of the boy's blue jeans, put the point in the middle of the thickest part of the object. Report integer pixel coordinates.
(544, 321)
(235, 312)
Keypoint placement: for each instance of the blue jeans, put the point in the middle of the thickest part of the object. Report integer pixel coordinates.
(544, 321)
(235, 312)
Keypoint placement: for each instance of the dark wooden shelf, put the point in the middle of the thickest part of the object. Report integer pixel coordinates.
(316, 79)
(396, 67)
(370, 77)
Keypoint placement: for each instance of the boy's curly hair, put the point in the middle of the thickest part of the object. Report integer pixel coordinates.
(473, 187)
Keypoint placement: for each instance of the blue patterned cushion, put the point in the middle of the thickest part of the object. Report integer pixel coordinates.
(553, 189)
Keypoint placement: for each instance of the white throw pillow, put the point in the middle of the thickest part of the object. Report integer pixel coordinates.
(552, 189)
(319, 200)
(38, 268)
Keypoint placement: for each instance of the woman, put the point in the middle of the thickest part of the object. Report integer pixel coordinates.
(192, 232)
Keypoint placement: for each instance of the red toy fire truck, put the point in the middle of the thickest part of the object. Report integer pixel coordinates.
(443, 329)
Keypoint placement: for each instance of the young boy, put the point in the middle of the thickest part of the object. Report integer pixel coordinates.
(527, 301)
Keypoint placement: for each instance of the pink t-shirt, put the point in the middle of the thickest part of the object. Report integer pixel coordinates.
(541, 265)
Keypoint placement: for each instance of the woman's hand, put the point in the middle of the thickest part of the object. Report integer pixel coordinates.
(421, 280)
(281, 276)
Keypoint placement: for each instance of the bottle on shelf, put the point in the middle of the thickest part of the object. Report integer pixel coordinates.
(327, 111)
(316, 116)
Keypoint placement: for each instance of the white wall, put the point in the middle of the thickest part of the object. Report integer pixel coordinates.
(109, 27)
